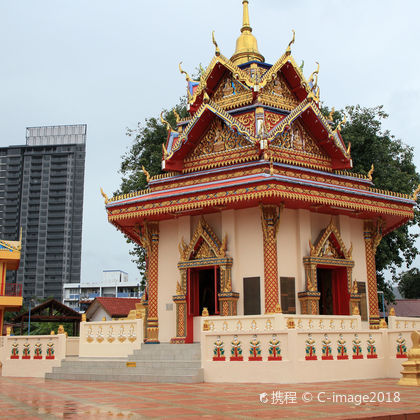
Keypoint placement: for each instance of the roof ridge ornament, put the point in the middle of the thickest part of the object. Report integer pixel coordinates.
(370, 173)
(316, 72)
(164, 122)
(217, 52)
(246, 45)
(289, 47)
(187, 76)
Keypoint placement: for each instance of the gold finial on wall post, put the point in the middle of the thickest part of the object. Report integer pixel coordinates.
(372, 168)
(215, 44)
(289, 47)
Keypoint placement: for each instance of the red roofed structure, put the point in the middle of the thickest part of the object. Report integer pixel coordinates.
(110, 307)
(258, 207)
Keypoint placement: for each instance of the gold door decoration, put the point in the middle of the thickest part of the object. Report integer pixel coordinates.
(329, 250)
(205, 249)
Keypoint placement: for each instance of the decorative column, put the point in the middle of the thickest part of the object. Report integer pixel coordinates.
(270, 218)
(180, 300)
(150, 241)
(309, 299)
(3, 268)
(372, 235)
(227, 298)
(354, 293)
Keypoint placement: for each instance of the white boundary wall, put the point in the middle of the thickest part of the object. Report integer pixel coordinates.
(294, 368)
(110, 338)
(31, 366)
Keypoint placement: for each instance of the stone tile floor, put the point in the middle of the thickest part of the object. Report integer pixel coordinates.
(32, 398)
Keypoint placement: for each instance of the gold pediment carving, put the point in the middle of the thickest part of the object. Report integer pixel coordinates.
(204, 244)
(299, 139)
(219, 137)
(330, 245)
(277, 93)
(230, 93)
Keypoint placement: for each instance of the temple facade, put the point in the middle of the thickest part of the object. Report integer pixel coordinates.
(257, 211)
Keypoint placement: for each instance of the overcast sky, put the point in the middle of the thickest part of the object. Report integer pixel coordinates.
(110, 64)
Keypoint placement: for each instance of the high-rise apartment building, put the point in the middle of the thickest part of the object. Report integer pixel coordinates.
(41, 191)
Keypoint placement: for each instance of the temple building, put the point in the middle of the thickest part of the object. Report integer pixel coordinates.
(258, 211)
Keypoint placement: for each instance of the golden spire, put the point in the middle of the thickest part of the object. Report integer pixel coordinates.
(246, 44)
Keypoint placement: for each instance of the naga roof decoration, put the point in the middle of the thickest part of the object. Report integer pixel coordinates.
(256, 134)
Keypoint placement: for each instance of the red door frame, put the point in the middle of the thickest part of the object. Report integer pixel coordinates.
(193, 298)
(340, 290)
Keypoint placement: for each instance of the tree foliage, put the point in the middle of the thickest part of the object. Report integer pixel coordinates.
(394, 170)
(409, 284)
(146, 150)
(370, 144)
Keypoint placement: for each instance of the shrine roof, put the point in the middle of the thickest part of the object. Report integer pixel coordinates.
(253, 182)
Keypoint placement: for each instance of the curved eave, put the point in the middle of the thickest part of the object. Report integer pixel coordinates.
(249, 191)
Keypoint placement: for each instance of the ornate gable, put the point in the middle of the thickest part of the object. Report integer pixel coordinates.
(299, 139)
(219, 137)
(231, 93)
(330, 245)
(204, 244)
(277, 93)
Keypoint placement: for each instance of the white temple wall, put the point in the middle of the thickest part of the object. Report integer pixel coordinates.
(246, 249)
(245, 246)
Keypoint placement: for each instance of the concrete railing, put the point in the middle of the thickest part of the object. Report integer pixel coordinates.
(271, 322)
(110, 338)
(398, 322)
(32, 356)
(72, 346)
(323, 352)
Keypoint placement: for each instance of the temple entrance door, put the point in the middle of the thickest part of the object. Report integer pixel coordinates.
(202, 292)
(335, 297)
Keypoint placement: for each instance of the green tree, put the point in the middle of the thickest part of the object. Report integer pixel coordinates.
(394, 170)
(409, 284)
(146, 150)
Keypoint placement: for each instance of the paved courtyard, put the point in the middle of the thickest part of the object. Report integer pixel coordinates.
(30, 398)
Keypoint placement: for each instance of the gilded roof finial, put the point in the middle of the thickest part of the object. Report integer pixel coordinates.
(416, 193)
(187, 76)
(215, 44)
(246, 44)
(104, 196)
(348, 148)
(331, 114)
(177, 117)
(312, 78)
(164, 122)
(289, 47)
(372, 168)
(341, 123)
(165, 151)
(146, 173)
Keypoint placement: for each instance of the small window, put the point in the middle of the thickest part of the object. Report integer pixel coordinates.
(361, 286)
(252, 297)
(288, 297)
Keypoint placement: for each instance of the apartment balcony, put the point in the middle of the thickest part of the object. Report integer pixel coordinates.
(12, 298)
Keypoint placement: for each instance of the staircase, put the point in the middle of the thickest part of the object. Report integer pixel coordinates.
(168, 363)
